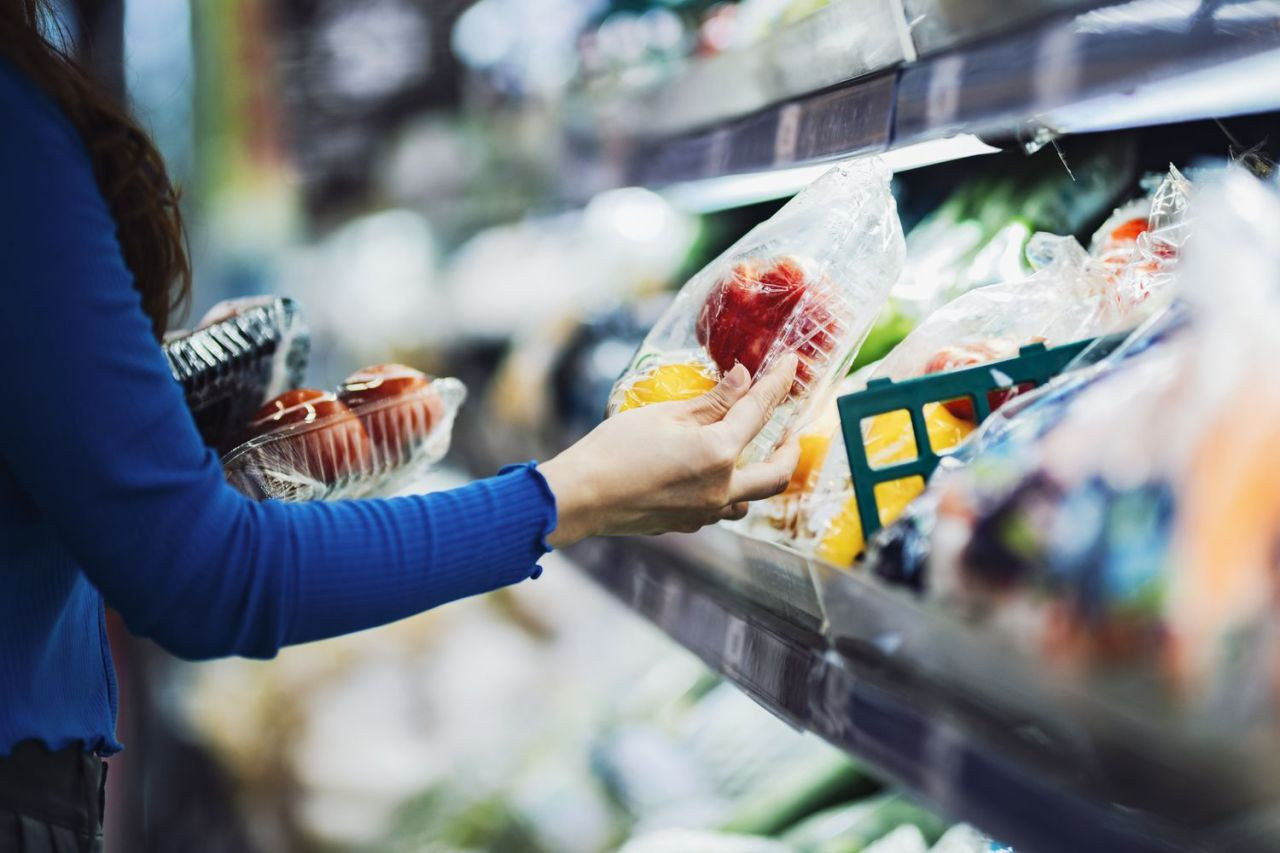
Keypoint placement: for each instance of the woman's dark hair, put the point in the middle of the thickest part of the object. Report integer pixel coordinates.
(129, 170)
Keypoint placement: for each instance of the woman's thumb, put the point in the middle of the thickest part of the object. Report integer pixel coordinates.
(710, 407)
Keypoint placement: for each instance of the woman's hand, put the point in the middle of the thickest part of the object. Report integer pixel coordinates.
(672, 466)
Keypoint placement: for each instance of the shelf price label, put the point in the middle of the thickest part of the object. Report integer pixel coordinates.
(942, 102)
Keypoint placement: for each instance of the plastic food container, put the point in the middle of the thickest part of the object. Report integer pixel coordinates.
(244, 353)
(315, 447)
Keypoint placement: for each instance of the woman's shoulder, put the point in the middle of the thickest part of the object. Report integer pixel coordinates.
(32, 120)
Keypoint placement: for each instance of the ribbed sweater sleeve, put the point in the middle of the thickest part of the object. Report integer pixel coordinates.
(97, 435)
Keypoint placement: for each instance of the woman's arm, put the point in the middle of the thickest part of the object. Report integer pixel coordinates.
(97, 436)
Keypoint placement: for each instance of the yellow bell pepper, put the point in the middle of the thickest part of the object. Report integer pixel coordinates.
(889, 441)
(681, 381)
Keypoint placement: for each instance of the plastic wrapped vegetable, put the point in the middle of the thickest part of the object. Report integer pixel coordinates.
(1127, 518)
(810, 280)
(1071, 296)
(1063, 299)
(832, 524)
(384, 427)
(781, 517)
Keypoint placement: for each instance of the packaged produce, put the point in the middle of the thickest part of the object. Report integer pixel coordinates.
(1071, 296)
(810, 280)
(243, 352)
(668, 382)
(983, 325)
(385, 426)
(1114, 240)
(978, 236)
(399, 406)
(835, 525)
(1124, 518)
(779, 518)
(1063, 301)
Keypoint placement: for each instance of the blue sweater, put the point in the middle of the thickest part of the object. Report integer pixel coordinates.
(108, 493)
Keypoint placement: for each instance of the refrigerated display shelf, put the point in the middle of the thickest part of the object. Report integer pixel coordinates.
(1130, 64)
(1037, 782)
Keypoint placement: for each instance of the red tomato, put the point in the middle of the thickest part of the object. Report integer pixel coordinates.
(397, 404)
(338, 446)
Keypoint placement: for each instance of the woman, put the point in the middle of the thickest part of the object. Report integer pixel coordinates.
(108, 494)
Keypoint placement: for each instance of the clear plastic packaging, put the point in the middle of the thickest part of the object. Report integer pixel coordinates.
(382, 430)
(781, 518)
(1062, 301)
(809, 280)
(1121, 524)
(244, 352)
(1071, 296)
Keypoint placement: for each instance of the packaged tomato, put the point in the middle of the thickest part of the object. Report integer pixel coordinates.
(384, 427)
(810, 280)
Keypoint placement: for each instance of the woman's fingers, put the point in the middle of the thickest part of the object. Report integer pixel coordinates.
(712, 406)
(733, 512)
(765, 479)
(750, 413)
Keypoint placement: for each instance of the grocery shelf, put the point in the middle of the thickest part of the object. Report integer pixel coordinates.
(1043, 782)
(1137, 63)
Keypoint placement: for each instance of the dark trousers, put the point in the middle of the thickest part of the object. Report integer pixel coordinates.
(51, 802)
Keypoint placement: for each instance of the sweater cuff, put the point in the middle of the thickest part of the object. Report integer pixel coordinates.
(533, 475)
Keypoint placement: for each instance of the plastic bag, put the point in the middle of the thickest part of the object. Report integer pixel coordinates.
(809, 280)
(244, 352)
(781, 518)
(1061, 302)
(384, 427)
(1071, 296)
(1125, 519)
(1062, 299)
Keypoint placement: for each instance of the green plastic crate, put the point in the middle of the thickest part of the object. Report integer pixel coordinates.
(1034, 365)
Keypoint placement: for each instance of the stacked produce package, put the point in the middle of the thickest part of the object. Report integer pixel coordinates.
(1071, 295)
(1123, 520)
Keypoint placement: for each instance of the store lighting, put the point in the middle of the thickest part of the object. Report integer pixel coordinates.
(726, 191)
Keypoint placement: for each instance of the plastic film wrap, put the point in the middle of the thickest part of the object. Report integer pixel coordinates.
(810, 280)
(1121, 523)
(317, 445)
(243, 353)
(1072, 295)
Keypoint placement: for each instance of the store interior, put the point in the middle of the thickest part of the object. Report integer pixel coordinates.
(1020, 593)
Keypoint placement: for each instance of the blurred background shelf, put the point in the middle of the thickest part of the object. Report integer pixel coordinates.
(1015, 77)
(1036, 783)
